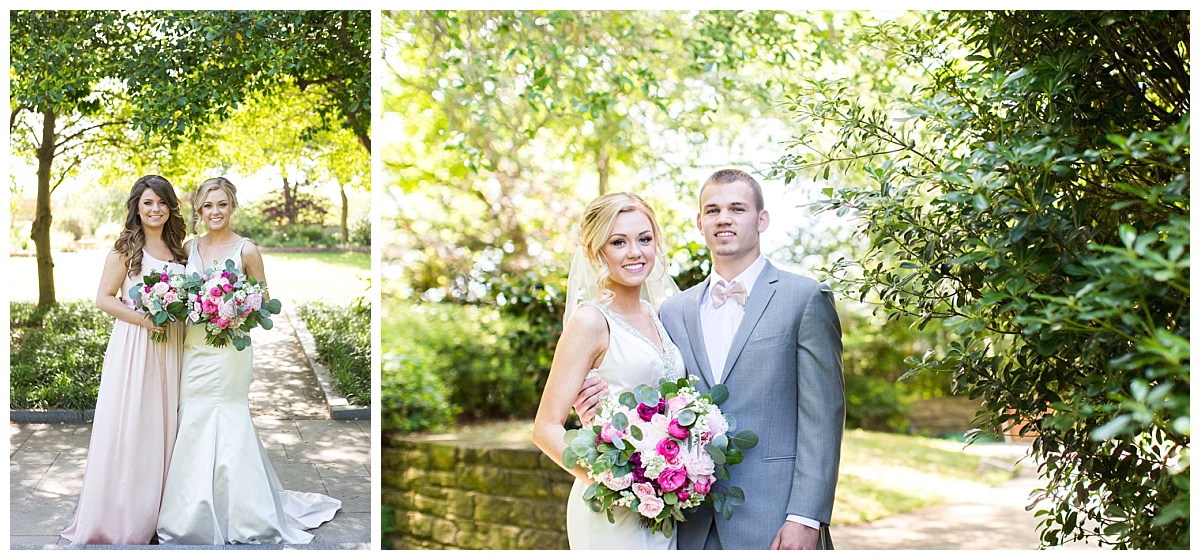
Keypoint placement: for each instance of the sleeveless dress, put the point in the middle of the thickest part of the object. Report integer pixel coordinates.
(221, 487)
(133, 432)
(631, 360)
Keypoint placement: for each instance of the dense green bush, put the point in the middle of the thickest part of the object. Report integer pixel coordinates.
(413, 396)
(56, 355)
(476, 351)
(343, 337)
(1035, 198)
(255, 226)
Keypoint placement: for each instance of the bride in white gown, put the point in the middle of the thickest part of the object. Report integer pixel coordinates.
(221, 487)
(612, 331)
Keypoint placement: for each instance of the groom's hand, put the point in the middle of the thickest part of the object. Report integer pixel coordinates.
(795, 536)
(589, 398)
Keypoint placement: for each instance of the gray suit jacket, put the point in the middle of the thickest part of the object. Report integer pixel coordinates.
(784, 375)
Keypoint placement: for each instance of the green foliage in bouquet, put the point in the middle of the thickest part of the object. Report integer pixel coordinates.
(159, 312)
(588, 448)
(239, 334)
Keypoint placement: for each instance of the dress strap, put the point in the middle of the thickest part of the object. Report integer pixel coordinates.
(237, 251)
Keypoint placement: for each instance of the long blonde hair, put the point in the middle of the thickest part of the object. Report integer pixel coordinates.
(597, 225)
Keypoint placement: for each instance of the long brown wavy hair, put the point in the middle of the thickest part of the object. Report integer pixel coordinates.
(133, 238)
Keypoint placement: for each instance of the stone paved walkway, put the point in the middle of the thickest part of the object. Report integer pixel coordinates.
(991, 519)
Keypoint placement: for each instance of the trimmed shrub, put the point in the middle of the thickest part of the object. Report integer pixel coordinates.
(343, 337)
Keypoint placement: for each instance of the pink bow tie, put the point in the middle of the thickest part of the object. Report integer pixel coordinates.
(722, 291)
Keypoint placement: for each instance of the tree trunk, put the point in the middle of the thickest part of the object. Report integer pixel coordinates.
(345, 215)
(289, 203)
(41, 222)
(602, 168)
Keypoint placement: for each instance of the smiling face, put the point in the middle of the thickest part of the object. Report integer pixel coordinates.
(153, 210)
(216, 210)
(731, 221)
(629, 249)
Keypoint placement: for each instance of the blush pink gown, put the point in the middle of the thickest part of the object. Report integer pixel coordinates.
(133, 433)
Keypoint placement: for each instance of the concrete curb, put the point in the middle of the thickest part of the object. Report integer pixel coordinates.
(51, 416)
(339, 407)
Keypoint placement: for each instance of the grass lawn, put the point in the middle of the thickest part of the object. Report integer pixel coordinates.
(332, 277)
(881, 474)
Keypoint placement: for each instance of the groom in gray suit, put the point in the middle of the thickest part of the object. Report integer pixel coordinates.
(774, 339)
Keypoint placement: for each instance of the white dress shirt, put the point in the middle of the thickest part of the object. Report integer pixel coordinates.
(720, 324)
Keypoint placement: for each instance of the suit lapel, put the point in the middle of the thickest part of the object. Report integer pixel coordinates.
(764, 290)
(691, 321)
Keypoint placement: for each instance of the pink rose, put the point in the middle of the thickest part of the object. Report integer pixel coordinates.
(227, 287)
(672, 479)
(716, 422)
(608, 433)
(676, 462)
(668, 448)
(208, 306)
(700, 465)
(617, 483)
(194, 317)
(216, 291)
(223, 322)
(643, 490)
(170, 297)
(704, 484)
(254, 301)
(676, 431)
(677, 402)
(651, 506)
(227, 310)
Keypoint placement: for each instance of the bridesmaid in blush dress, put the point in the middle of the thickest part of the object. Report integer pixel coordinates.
(221, 487)
(134, 430)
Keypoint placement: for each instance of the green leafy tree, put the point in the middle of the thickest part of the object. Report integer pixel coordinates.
(1034, 194)
(167, 75)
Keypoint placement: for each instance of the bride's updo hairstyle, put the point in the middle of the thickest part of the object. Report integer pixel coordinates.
(202, 191)
(598, 220)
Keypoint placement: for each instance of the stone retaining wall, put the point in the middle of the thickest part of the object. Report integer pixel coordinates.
(448, 494)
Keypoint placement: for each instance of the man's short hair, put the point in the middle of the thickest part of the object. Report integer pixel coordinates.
(727, 176)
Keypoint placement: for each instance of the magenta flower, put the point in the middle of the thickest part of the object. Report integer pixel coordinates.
(227, 288)
(703, 484)
(166, 278)
(682, 494)
(215, 291)
(672, 479)
(676, 431)
(668, 448)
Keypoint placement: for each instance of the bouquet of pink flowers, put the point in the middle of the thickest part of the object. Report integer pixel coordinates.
(158, 295)
(228, 304)
(658, 451)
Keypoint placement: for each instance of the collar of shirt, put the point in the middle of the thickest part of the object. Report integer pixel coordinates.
(748, 277)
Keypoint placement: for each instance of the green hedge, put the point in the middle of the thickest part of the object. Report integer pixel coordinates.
(444, 360)
(343, 337)
(56, 355)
